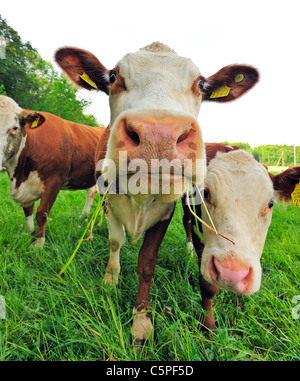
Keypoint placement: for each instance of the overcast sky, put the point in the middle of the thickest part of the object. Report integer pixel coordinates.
(216, 33)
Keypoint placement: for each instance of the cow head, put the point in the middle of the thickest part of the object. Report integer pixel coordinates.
(239, 195)
(11, 121)
(155, 97)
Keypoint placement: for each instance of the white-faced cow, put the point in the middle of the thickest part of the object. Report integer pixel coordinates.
(43, 154)
(239, 194)
(153, 139)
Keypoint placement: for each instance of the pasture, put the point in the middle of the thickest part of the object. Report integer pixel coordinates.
(74, 317)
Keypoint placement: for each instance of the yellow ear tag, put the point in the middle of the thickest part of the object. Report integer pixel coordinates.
(296, 195)
(221, 92)
(35, 123)
(88, 80)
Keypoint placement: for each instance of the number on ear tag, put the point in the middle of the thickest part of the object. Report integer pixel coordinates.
(296, 195)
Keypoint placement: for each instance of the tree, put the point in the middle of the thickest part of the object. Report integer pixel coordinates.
(270, 154)
(2, 90)
(33, 82)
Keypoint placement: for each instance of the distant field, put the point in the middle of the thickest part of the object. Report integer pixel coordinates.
(74, 318)
(274, 169)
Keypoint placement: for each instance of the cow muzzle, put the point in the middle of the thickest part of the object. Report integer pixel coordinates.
(160, 155)
(233, 275)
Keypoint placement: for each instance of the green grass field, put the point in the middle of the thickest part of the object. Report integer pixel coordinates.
(73, 317)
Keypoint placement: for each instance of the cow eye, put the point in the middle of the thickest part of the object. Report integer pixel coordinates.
(206, 193)
(271, 203)
(201, 84)
(13, 129)
(112, 77)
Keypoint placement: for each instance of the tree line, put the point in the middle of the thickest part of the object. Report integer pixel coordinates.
(273, 155)
(34, 83)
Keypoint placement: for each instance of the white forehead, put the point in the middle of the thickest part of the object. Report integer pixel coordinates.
(238, 175)
(158, 61)
(9, 111)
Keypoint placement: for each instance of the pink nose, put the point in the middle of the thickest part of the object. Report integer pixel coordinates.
(147, 138)
(232, 274)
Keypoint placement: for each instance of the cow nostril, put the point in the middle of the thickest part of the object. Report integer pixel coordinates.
(183, 137)
(213, 271)
(132, 135)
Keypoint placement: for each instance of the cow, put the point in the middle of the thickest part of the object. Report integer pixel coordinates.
(239, 194)
(43, 154)
(153, 139)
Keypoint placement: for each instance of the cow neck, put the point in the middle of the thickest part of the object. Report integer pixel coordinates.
(12, 163)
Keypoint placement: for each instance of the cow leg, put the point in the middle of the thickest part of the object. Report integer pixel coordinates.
(28, 211)
(187, 223)
(142, 325)
(48, 198)
(90, 196)
(208, 291)
(116, 240)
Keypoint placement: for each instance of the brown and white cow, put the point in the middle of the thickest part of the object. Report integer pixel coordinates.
(43, 154)
(153, 139)
(239, 194)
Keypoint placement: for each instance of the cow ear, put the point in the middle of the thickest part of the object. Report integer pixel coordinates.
(83, 68)
(284, 183)
(34, 120)
(229, 83)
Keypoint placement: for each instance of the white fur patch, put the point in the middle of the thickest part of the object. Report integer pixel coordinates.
(11, 164)
(136, 217)
(9, 111)
(142, 325)
(28, 192)
(30, 224)
(90, 192)
(39, 243)
(240, 189)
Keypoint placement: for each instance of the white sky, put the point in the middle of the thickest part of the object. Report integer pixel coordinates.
(216, 33)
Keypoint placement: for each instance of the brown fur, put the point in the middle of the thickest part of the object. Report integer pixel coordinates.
(213, 148)
(81, 63)
(101, 150)
(62, 153)
(59, 147)
(226, 76)
(284, 183)
(119, 84)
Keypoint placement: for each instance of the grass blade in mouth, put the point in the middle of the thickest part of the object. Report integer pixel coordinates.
(202, 222)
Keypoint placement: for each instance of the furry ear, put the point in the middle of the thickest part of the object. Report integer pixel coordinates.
(284, 183)
(83, 68)
(229, 83)
(34, 120)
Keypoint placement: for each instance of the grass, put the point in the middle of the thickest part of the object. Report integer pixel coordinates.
(74, 317)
